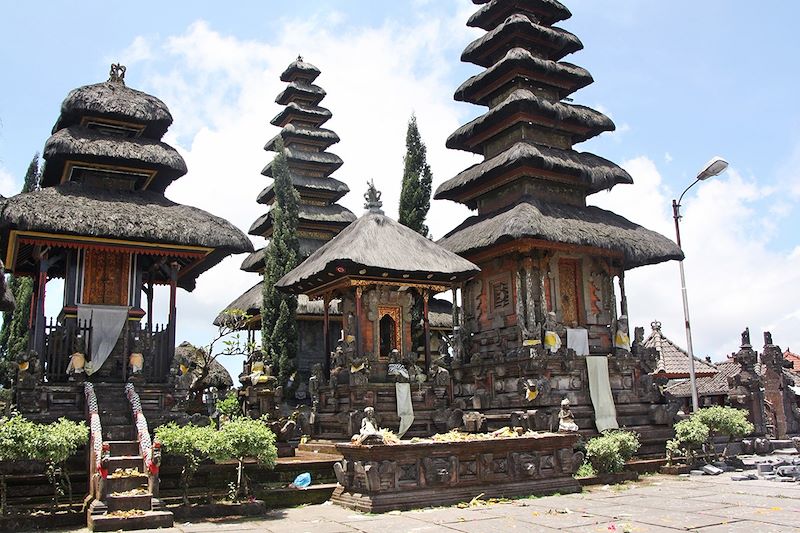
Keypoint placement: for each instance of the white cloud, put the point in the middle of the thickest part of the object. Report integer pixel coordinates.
(8, 185)
(668, 157)
(735, 276)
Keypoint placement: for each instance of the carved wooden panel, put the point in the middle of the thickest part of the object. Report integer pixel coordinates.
(569, 276)
(106, 278)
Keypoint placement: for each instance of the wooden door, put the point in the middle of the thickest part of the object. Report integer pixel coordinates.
(569, 281)
(106, 278)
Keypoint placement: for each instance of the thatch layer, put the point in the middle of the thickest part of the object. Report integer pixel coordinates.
(313, 114)
(565, 77)
(250, 303)
(548, 12)
(256, 262)
(290, 133)
(300, 70)
(375, 241)
(593, 172)
(83, 144)
(333, 214)
(329, 187)
(554, 43)
(145, 216)
(117, 102)
(303, 90)
(559, 223)
(524, 101)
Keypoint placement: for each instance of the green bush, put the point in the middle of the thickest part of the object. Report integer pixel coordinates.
(191, 443)
(609, 452)
(242, 438)
(53, 444)
(586, 470)
(229, 406)
(696, 434)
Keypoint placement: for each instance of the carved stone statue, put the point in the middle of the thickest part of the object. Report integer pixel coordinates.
(566, 422)
(440, 375)
(415, 372)
(746, 337)
(621, 339)
(359, 370)
(552, 340)
(136, 363)
(338, 363)
(530, 389)
(29, 371)
(369, 433)
(76, 368)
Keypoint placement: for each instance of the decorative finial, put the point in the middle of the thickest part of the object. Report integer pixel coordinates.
(746, 338)
(299, 58)
(656, 325)
(117, 73)
(373, 198)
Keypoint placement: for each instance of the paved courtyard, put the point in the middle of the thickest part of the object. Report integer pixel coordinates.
(654, 504)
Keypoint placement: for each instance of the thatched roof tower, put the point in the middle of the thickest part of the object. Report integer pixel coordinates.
(310, 164)
(533, 183)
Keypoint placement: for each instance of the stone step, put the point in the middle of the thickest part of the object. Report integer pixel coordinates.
(146, 520)
(125, 461)
(124, 484)
(118, 502)
(123, 447)
(117, 432)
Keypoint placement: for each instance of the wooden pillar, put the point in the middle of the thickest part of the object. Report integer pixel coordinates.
(149, 292)
(359, 348)
(427, 326)
(173, 288)
(455, 307)
(623, 304)
(39, 320)
(326, 332)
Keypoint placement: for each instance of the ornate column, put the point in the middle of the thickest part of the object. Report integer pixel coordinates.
(359, 348)
(174, 267)
(427, 328)
(39, 318)
(326, 332)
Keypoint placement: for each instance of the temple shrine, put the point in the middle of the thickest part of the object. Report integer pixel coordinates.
(101, 223)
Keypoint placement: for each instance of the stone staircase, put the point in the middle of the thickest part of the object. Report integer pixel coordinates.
(125, 500)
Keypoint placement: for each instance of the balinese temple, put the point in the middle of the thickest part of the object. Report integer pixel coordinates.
(546, 292)
(378, 269)
(102, 224)
(320, 218)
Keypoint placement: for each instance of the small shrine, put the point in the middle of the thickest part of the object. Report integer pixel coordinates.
(380, 270)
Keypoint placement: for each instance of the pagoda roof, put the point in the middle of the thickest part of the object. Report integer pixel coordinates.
(300, 90)
(291, 133)
(593, 172)
(520, 31)
(673, 361)
(250, 303)
(493, 12)
(329, 188)
(333, 215)
(324, 162)
(522, 105)
(584, 226)
(708, 384)
(315, 115)
(300, 70)
(115, 101)
(137, 216)
(255, 262)
(565, 78)
(375, 245)
(794, 359)
(88, 146)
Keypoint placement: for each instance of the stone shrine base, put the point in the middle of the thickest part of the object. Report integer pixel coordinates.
(381, 478)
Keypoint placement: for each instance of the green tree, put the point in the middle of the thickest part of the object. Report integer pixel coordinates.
(282, 255)
(415, 195)
(14, 331)
(242, 438)
(191, 443)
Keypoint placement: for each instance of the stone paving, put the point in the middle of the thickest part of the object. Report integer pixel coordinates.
(705, 504)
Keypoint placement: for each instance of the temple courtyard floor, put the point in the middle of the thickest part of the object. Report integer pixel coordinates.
(657, 503)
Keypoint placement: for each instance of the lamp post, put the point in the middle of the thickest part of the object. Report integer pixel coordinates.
(714, 167)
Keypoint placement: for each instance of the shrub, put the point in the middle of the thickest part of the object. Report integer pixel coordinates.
(690, 435)
(229, 406)
(242, 438)
(697, 433)
(191, 443)
(586, 470)
(17, 441)
(609, 452)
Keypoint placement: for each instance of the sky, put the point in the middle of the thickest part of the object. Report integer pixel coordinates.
(683, 80)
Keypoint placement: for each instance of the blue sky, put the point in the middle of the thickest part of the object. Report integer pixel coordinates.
(683, 80)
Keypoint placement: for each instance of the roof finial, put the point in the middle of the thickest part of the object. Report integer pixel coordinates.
(656, 325)
(299, 58)
(117, 73)
(373, 198)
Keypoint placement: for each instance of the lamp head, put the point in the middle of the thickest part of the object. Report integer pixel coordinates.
(715, 167)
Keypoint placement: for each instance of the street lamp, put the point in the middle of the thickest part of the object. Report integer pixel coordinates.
(714, 167)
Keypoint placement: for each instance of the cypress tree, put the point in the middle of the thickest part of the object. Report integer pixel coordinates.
(415, 195)
(14, 332)
(278, 322)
